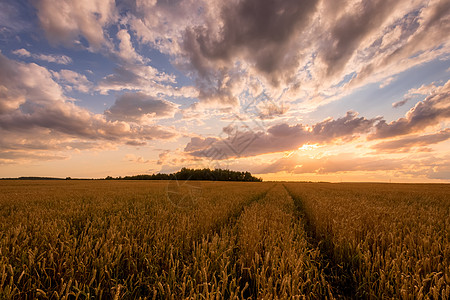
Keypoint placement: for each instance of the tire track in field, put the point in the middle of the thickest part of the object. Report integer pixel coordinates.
(232, 219)
(219, 230)
(341, 279)
(247, 284)
(197, 258)
(276, 260)
(231, 222)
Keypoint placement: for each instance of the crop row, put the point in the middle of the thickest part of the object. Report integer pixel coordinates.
(156, 240)
(97, 239)
(385, 241)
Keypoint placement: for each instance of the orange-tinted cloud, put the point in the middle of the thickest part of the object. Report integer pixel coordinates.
(281, 137)
(428, 112)
(406, 144)
(34, 111)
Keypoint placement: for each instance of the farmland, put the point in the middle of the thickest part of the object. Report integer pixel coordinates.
(213, 240)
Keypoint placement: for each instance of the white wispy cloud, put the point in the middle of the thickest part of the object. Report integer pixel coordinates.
(53, 58)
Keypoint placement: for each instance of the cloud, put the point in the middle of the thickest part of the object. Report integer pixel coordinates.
(66, 21)
(269, 110)
(163, 156)
(423, 40)
(139, 107)
(387, 82)
(260, 31)
(33, 108)
(405, 144)
(281, 137)
(73, 80)
(441, 171)
(126, 50)
(22, 52)
(344, 127)
(198, 143)
(11, 19)
(58, 59)
(400, 103)
(422, 90)
(429, 112)
(350, 30)
(241, 41)
(343, 162)
(284, 137)
(145, 79)
(419, 167)
(296, 49)
(136, 159)
(12, 157)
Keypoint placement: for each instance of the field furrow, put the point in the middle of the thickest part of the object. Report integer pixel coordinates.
(340, 278)
(275, 258)
(384, 242)
(93, 239)
(223, 240)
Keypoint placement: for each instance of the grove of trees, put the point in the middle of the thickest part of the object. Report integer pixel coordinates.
(195, 174)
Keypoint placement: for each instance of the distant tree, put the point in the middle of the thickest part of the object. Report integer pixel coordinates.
(196, 174)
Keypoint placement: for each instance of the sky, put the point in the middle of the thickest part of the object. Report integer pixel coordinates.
(310, 90)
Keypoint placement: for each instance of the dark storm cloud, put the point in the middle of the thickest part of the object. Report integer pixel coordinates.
(281, 137)
(137, 106)
(259, 30)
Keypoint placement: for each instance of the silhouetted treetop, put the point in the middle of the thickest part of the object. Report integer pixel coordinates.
(196, 174)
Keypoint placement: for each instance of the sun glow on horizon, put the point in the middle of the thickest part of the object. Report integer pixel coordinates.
(161, 85)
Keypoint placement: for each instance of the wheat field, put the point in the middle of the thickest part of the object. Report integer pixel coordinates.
(100, 239)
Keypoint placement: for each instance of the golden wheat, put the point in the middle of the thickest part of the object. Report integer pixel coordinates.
(392, 241)
(215, 240)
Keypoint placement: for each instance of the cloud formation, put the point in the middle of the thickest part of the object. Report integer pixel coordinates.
(277, 138)
(409, 166)
(67, 21)
(344, 162)
(405, 144)
(262, 32)
(139, 107)
(143, 78)
(300, 49)
(73, 80)
(429, 112)
(33, 108)
(199, 64)
(350, 30)
(58, 59)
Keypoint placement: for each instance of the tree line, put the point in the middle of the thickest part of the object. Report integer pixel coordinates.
(195, 174)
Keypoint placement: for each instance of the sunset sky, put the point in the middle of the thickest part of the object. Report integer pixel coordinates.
(314, 90)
